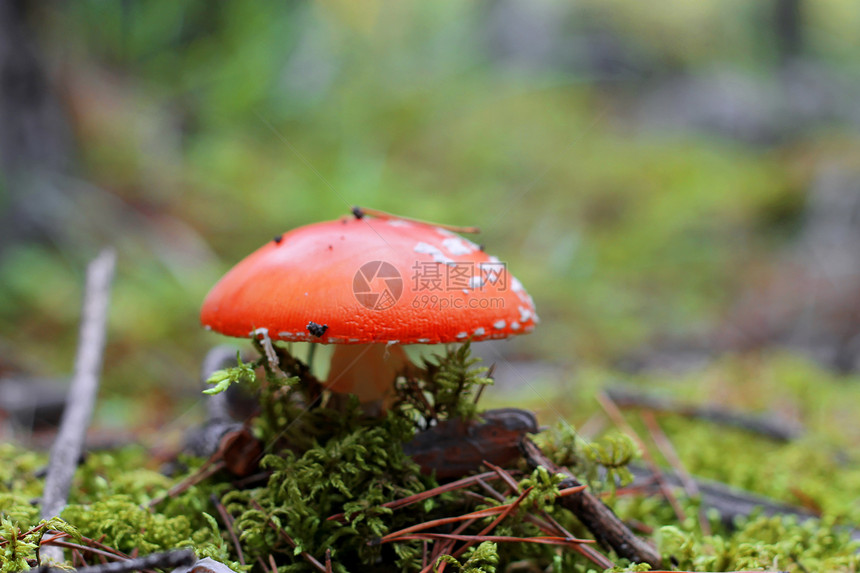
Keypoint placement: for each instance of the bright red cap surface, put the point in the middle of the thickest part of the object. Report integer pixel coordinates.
(356, 281)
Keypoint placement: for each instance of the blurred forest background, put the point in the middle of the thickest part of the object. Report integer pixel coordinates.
(677, 185)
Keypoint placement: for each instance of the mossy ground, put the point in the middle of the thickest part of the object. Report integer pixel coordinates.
(355, 464)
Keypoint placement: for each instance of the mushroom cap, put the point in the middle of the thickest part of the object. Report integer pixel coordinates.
(368, 280)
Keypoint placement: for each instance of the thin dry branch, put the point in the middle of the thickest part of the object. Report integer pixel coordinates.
(729, 502)
(594, 514)
(82, 392)
(165, 560)
(768, 426)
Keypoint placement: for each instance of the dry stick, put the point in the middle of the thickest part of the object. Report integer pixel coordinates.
(770, 426)
(166, 560)
(561, 541)
(263, 563)
(499, 510)
(86, 548)
(508, 510)
(664, 444)
(446, 546)
(597, 517)
(618, 418)
(92, 546)
(328, 568)
(121, 561)
(730, 502)
(589, 552)
(228, 522)
(503, 511)
(82, 391)
(415, 498)
(487, 512)
(504, 476)
(209, 468)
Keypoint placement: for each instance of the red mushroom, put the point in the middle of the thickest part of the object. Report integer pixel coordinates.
(369, 285)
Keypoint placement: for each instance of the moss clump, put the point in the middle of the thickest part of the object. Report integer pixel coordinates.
(107, 502)
(352, 471)
(449, 388)
(482, 559)
(328, 473)
(759, 542)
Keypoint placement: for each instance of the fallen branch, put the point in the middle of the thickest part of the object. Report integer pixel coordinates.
(82, 391)
(730, 502)
(768, 426)
(168, 559)
(594, 514)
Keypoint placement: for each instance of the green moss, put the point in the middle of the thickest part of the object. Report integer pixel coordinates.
(339, 463)
(764, 543)
(482, 559)
(353, 472)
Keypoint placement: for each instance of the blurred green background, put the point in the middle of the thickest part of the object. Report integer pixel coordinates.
(652, 173)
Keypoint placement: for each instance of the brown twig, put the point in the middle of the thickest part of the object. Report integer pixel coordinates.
(82, 391)
(165, 560)
(59, 542)
(209, 467)
(415, 498)
(228, 523)
(505, 476)
(562, 541)
(511, 507)
(729, 502)
(769, 426)
(263, 565)
(597, 517)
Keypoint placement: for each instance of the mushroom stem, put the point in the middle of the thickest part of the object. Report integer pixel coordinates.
(367, 370)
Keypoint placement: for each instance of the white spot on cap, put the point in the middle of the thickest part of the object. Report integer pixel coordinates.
(353, 340)
(515, 325)
(499, 324)
(306, 294)
(207, 327)
(423, 340)
(525, 313)
(435, 252)
(465, 291)
(391, 343)
(462, 334)
(285, 334)
(476, 281)
(264, 332)
(446, 232)
(516, 285)
(457, 246)
(398, 223)
(480, 331)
